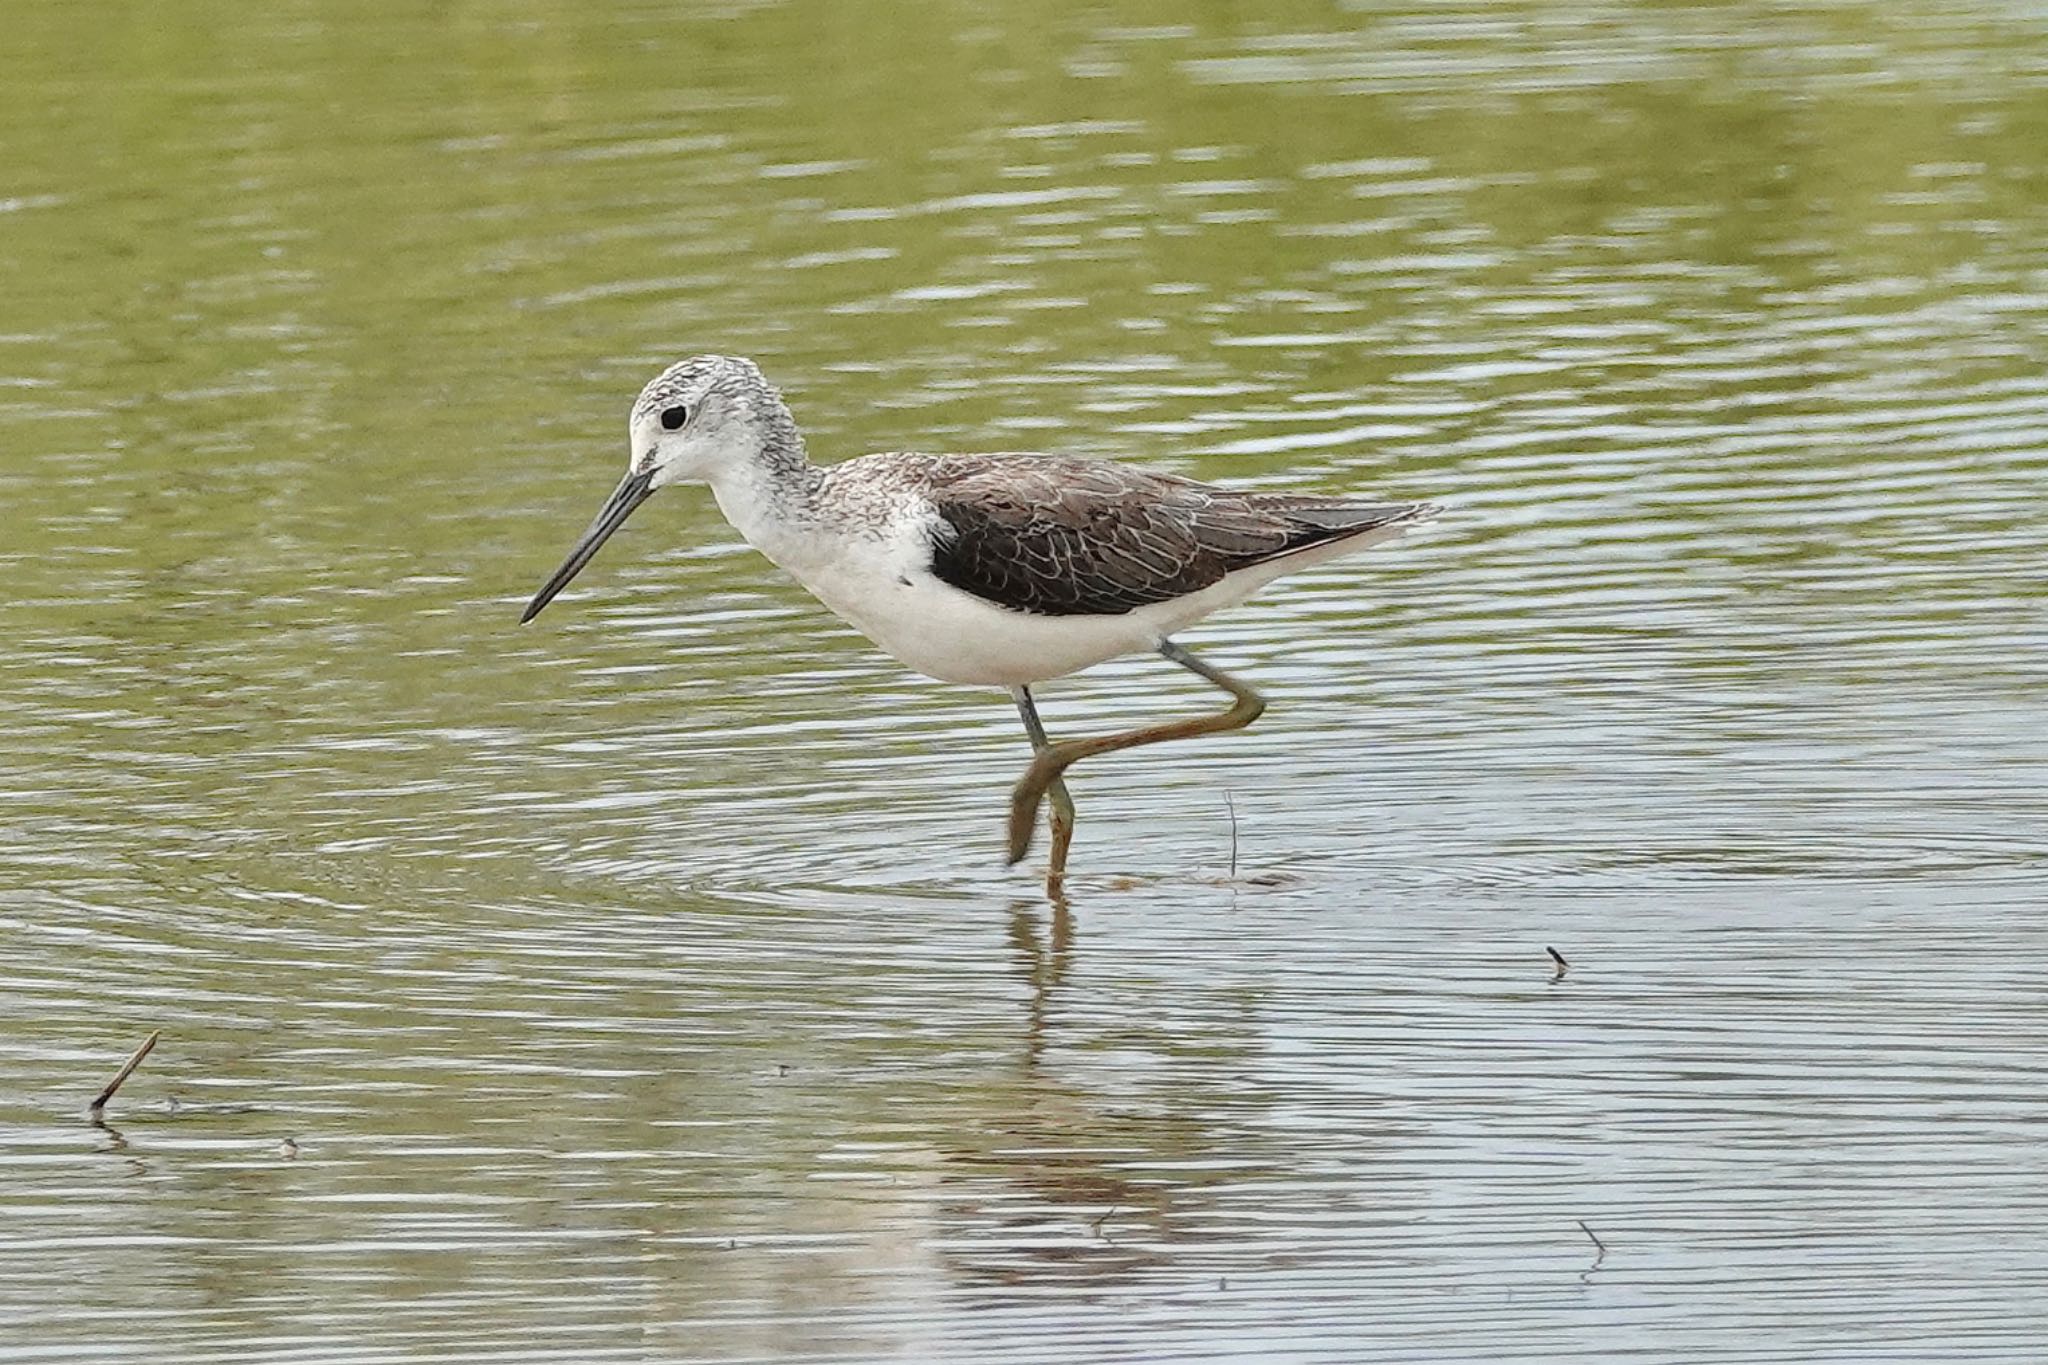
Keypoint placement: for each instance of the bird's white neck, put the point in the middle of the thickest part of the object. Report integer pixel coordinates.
(773, 502)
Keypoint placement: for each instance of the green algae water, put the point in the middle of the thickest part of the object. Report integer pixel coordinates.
(645, 984)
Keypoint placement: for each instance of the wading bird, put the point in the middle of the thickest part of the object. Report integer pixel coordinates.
(1005, 570)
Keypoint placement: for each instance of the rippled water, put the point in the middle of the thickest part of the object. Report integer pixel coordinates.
(644, 983)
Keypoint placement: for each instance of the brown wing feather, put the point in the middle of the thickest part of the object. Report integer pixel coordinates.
(1070, 537)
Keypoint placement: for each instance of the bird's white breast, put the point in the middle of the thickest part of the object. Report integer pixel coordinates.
(883, 586)
(865, 552)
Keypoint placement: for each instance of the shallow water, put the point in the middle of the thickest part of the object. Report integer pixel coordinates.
(645, 984)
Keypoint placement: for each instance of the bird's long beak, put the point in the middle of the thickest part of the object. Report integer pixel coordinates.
(633, 490)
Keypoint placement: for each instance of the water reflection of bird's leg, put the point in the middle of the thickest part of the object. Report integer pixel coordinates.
(1043, 776)
(1045, 967)
(1062, 819)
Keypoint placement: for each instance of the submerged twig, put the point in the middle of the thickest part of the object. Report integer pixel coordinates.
(99, 1103)
(1231, 806)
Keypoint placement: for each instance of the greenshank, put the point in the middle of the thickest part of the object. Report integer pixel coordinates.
(1003, 570)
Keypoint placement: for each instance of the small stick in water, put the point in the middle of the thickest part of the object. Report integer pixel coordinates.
(127, 1069)
(1599, 1247)
(1231, 806)
(1558, 958)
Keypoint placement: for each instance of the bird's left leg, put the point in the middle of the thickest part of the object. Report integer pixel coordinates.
(1054, 759)
(1062, 820)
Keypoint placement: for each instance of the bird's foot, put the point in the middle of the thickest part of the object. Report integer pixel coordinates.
(1024, 802)
(1023, 819)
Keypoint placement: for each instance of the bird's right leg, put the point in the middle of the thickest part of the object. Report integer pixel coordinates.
(1043, 776)
(1062, 818)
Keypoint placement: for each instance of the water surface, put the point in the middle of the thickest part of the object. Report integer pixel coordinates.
(644, 984)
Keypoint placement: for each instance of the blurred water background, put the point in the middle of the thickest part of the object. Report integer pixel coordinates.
(644, 984)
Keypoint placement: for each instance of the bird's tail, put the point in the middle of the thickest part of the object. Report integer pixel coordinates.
(1347, 516)
(1339, 526)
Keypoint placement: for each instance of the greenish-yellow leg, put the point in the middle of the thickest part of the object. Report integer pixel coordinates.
(1043, 776)
(1062, 820)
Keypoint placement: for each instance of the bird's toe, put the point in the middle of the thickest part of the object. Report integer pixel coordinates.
(1021, 822)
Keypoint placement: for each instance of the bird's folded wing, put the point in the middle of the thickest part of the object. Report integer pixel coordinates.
(1070, 537)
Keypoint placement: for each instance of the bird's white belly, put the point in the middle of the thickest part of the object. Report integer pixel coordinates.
(949, 634)
(883, 586)
(888, 593)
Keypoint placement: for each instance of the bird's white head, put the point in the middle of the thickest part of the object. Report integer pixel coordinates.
(704, 417)
(701, 420)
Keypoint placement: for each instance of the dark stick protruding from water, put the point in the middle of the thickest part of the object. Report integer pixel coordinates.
(1231, 806)
(99, 1103)
(1558, 958)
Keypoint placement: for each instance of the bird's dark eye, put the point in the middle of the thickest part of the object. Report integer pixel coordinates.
(672, 418)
